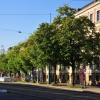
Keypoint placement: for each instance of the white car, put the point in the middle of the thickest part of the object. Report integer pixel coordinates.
(5, 79)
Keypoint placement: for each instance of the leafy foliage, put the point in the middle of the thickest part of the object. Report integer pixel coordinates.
(67, 40)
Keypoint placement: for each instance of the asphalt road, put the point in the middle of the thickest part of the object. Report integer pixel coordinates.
(28, 92)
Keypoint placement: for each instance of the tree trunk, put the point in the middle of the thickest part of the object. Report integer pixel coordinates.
(93, 74)
(73, 76)
(73, 73)
(55, 77)
(37, 75)
(49, 74)
(93, 79)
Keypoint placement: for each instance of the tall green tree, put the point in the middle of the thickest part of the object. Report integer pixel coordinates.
(66, 11)
(75, 38)
(3, 63)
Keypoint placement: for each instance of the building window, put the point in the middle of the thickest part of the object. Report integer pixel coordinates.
(98, 15)
(91, 17)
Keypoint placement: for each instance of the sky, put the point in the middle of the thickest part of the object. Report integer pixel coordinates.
(26, 16)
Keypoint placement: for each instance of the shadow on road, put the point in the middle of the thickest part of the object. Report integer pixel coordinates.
(46, 93)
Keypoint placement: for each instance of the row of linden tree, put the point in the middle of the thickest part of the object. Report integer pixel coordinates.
(67, 41)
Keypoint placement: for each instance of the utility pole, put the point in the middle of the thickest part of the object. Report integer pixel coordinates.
(2, 50)
(50, 17)
(49, 81)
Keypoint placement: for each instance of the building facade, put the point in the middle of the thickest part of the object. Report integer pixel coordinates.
(92, 11)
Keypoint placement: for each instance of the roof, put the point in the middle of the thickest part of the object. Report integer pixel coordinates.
(88, 4)
(80, 10)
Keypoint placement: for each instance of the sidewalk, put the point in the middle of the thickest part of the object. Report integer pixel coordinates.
(92, 89)
(89, 89)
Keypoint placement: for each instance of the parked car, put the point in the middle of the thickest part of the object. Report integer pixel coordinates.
(5, 79)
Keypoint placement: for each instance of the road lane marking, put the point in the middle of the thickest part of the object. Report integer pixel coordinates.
(3, 91)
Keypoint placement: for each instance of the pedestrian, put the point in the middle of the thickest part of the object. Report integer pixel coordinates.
(82, 76)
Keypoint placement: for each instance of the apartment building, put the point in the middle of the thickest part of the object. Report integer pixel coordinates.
(92, 11)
